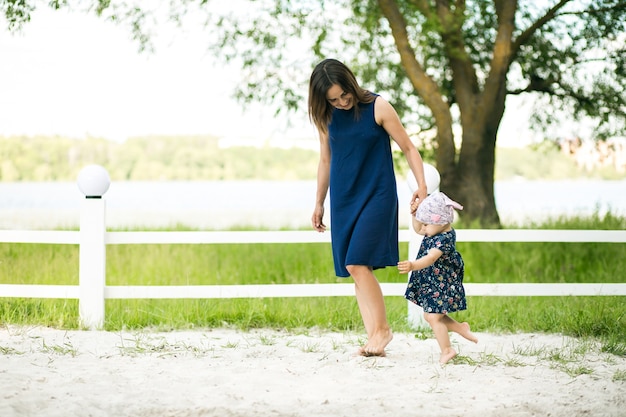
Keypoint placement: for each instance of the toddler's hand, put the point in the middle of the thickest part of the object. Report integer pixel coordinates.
(414, 205)
(404, 267)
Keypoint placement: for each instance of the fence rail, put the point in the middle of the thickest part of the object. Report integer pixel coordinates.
(463, 235)
(93, 239)
(300, 290)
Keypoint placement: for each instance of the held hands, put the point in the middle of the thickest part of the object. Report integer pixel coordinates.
(404, 267)
(418, 196)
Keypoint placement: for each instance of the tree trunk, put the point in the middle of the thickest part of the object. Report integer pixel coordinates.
(470, 178)
(473, 182)
(481, 109)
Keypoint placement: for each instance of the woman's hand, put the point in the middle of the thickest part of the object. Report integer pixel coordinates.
(317, 219)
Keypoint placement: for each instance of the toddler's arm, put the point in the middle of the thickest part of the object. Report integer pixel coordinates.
(425, 261)
(417, 225)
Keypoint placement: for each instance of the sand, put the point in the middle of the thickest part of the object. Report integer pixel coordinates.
(228, 373)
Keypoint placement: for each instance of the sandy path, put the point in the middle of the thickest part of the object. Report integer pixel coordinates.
(222, 372)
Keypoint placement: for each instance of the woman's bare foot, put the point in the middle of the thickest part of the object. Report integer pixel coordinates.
(446, 355)
(466, 333)
(377, 344)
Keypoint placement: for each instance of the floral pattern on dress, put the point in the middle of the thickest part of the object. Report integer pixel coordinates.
(439, 287)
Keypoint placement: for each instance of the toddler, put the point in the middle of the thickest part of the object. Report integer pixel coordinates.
(436, 283)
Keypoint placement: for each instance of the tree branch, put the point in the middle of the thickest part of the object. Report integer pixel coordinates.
(427, 89)
(595, 11)
(423, 84)
(530, 31)
(465, 79)
(502, 53)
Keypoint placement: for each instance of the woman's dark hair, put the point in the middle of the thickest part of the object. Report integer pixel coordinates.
(326, 74)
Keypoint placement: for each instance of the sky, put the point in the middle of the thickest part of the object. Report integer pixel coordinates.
(68, 73)
(76, 75)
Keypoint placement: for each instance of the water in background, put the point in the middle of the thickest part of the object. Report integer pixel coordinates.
(270, 204)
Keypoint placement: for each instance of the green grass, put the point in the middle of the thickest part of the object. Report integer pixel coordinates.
(597, 317)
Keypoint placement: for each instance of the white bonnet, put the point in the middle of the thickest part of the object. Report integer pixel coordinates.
(437, 208)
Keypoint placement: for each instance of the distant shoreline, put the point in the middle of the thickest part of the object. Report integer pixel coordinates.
(222, 205)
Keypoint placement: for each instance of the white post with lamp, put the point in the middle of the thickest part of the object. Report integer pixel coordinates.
(415, 313)
(93, 182)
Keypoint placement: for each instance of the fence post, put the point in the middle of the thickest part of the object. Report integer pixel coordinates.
(415, 313)
(93, 181)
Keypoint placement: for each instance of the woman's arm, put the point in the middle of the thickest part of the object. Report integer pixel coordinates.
(387, 117)
(323, 181)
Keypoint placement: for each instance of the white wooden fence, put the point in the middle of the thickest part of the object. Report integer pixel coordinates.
(93, 238)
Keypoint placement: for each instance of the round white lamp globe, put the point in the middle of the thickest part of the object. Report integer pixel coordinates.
(93, 181)
(431, 175)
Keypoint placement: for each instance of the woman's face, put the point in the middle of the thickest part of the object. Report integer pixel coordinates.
(338, 98)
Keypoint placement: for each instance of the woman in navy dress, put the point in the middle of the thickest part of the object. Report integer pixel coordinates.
(355, 127)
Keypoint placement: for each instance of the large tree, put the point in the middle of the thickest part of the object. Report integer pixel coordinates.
(447, 65)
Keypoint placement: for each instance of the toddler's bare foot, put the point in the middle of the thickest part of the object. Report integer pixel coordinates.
(446, 356)
(376, 345)
(466, 333)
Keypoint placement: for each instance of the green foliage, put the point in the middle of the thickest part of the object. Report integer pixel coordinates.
(575, 60)
(568, 53)
(16, 12)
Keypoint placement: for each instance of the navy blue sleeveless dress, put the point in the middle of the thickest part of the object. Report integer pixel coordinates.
(363, 195)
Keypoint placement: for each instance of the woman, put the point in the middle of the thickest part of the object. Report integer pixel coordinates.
(354, 128)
